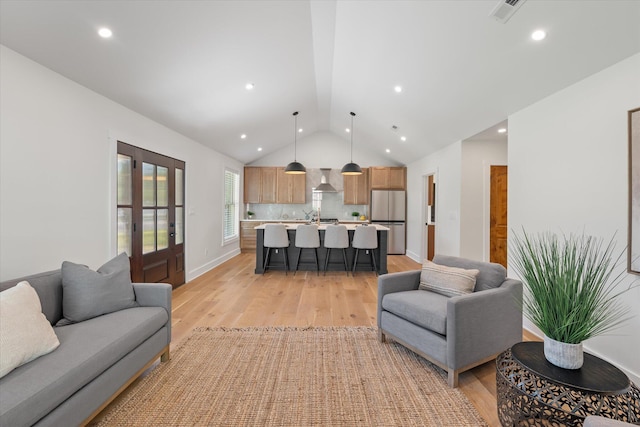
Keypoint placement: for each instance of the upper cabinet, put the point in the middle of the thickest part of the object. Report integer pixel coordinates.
(272, 185)
(356, 188)
(388, 178)
(290, 187)
(260, 184)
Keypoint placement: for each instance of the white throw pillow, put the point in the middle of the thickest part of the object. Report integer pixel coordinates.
(25, 333)
(448, 281)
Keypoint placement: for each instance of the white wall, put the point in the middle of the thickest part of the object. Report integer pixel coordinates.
(325, 150)
(477, 158)
(568, 173)
(57, 174)
(445, 164)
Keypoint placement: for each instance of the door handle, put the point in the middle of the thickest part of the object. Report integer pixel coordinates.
(171, 234)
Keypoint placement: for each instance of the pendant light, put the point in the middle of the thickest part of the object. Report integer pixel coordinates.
(351, 168)
(295, 167)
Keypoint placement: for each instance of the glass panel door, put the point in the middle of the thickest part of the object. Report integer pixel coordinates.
(125, 204)
(150, 214)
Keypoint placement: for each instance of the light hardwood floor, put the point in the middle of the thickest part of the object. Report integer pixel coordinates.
(232, 295)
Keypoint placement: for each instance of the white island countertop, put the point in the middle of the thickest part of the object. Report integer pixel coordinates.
(304, 221)
(323, 226)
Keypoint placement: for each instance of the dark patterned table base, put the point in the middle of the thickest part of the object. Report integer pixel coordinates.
(525, 399)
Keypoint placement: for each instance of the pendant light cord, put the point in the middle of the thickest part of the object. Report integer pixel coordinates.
(295, 136)
(352, 115)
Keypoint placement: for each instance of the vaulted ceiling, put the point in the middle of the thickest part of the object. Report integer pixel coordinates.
(185, 64)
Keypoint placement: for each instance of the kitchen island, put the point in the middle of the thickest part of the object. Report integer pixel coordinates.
(307, 260)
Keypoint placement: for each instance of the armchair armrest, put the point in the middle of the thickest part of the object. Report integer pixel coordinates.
(484, 323)
(396, 282)
(155, 295)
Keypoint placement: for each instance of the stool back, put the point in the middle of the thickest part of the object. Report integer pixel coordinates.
(275, 236)
(307, 236)
(365, 237)
(336, 236)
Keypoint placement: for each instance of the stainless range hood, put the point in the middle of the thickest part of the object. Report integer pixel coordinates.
(324, 186)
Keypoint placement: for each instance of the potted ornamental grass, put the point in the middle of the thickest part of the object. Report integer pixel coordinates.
(572, 290)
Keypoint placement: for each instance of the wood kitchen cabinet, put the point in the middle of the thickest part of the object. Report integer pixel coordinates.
(356, 188)
(388, 178)
(248, 235)
(291, 188)
(260, 184)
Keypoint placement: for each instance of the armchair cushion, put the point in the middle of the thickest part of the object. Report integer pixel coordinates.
(447, 281)
(425, 309)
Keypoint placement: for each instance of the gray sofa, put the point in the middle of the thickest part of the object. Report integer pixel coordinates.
(455, 333)
(96, 360)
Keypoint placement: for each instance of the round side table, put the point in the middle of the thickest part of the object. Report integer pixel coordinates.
(533, 392)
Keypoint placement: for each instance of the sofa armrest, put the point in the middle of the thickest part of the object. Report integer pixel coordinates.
(396, 282)
(155, 295)
(484, 323)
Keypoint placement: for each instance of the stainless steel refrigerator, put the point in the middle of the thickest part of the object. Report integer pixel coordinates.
(388, 208)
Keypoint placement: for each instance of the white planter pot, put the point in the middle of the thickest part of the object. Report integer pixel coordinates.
(563, 355)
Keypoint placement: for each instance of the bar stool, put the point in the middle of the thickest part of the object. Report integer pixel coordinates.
(275, 236)
(307, 237)
(365, 237)
(336, 237)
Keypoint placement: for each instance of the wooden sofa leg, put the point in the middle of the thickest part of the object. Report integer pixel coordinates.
(453, 378)
(381, 336)
(164, 357)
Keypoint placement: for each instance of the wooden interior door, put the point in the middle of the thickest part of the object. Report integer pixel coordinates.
(151, 208)
(498, 230)
(430, 224)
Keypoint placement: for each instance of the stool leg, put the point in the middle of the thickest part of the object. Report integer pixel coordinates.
(285, 253)
(297, 261)
(266, 260)
(373, 261)
(315, 250)
(346, 262)
(355, 262)
(326, 261)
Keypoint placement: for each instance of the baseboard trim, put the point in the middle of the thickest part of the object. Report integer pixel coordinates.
(199, 271)
(414, 256)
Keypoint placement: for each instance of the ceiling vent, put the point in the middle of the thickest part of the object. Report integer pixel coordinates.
(505, 9)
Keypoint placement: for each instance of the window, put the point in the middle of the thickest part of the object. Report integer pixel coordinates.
(231, 207)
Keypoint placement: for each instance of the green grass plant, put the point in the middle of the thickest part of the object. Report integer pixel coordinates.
(572, 293)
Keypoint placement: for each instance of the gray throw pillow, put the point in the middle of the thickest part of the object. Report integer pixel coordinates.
(87, 293)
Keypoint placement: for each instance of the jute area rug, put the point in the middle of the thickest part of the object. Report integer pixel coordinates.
(333, 376)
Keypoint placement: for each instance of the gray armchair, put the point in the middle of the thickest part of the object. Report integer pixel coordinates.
(455, 333)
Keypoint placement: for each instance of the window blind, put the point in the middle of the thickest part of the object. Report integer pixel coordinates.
(231, 208)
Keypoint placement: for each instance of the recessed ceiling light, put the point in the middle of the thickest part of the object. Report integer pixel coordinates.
(398, 89)
(387, 150)
(403, 138)
(249, 86)
(502, 130)
(347, 130)
(105, 33)
(538, 35)
(300, 130)
(243, 136)
(259, 148)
